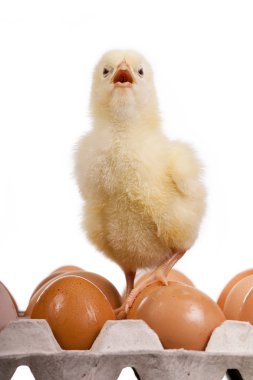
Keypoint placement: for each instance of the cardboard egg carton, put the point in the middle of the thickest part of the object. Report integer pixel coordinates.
(120, 344)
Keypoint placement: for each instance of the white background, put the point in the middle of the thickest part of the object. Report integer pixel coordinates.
(202, 57)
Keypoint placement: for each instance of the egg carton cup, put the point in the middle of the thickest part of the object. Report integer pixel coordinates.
(120, 344)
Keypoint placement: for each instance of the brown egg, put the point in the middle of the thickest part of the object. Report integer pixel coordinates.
(222, 298)
(8, 310)
(75, 309)
(66, 268)
(36, 294)
(104, 285)
(246, 313)
(101, 282)
(13, 299)
(55, 273)
(45, 281)
(181, 315)
(236, 297)
(173, 275)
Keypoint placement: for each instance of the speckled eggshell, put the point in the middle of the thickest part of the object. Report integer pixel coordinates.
(8, 309)
(75, 309)
(56, 273)
(104, 285)
(236, 297)
(36, 294)
(222, 298)
(45, 281)
(101, 282)
(181, 315)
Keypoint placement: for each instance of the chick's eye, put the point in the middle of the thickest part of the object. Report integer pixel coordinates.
(141, 72)
(105, 72)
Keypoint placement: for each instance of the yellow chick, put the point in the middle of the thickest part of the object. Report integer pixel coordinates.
(144, 199)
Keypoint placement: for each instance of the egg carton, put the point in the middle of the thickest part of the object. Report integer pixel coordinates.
(120, 344)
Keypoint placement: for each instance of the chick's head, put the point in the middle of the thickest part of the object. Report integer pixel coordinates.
(123, 87)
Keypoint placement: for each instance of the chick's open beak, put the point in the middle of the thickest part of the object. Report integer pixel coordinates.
(123, 77)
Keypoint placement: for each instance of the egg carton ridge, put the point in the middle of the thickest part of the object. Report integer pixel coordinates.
(123, 344)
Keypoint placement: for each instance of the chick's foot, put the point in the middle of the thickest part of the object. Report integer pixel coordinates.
(159, 274)
(120, 312)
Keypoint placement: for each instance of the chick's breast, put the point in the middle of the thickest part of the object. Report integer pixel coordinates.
(134, 211)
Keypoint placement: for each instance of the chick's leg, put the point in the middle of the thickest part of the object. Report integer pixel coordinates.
(159, 274)
(130, 276)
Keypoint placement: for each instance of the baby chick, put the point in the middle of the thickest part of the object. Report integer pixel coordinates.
(144, 199)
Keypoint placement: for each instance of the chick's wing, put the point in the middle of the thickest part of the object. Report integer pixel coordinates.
(184, 168)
